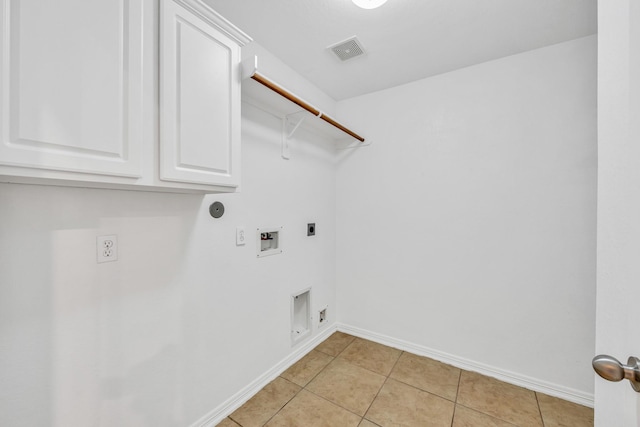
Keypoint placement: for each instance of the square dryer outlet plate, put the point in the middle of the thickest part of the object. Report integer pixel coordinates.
(322, 317)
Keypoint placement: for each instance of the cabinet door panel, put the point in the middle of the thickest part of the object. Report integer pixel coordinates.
(204, 98)
(199, 135)
(71, 79)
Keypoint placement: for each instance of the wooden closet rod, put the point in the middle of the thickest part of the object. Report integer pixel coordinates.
(291, 97)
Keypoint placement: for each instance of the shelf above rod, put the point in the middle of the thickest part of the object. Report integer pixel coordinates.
(250, 70)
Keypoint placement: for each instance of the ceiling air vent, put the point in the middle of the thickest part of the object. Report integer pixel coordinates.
(347, 49)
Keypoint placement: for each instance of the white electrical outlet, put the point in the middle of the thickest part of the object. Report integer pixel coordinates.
(107, 248)
(240, 236)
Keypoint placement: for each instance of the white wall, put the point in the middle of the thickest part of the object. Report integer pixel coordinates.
(468, 226)
(185, 318)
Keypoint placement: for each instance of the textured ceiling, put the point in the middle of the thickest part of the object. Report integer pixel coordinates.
(405, 40)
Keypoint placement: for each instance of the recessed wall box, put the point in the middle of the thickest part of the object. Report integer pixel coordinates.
(269, 241)
(300, 315)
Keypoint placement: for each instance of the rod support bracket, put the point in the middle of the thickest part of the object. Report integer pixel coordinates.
(249, 70)
(290, 124)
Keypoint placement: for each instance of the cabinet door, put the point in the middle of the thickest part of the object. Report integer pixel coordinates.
(71, 97)
(199, 100)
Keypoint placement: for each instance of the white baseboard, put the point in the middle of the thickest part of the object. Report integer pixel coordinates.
(524, 381)
(237, 400)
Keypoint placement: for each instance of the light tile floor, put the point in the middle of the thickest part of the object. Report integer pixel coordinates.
(348, 381)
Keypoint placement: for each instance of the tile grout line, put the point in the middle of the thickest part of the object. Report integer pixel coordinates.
(314, 377)
(346, 361)
(455, 402)
(388, 376)
(369, 421)
(286, 403)
(458, 388)
(386, 379)
(496, 416)
(334, 403)
(455, 406)
(367, 369)
(421, 389)
(362, 367)
(231, 419)
(333, 358)
(309, 382)
(234, 421)
(339, 353)
(488, 415)
(346, 347)
(539, 408)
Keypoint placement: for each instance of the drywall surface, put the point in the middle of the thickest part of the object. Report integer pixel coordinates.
(468, 226)
(185, 318)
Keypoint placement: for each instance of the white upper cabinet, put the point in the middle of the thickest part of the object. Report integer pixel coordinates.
(199, 98)
(71, 78)
(109, 94)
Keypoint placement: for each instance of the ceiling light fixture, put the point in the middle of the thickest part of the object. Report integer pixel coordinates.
(369, 4)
